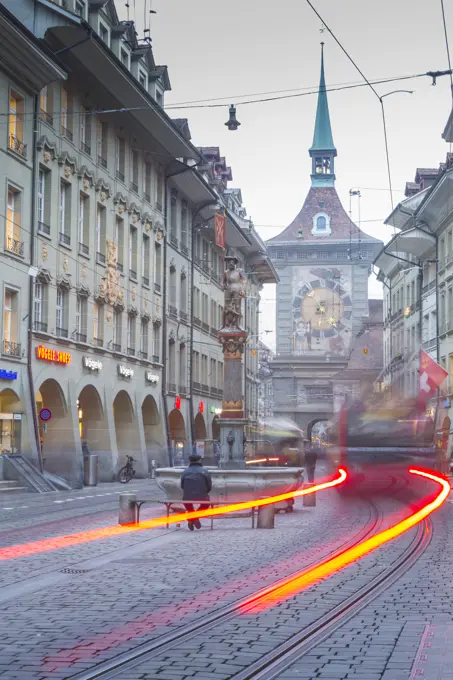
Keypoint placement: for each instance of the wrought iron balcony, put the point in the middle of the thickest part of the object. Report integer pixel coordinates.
(171, 388)
(100, 258)
(205, 326)
(43, 228)
(81, 337)
(46, 117)
(174, 241)
(215, 276)
(14, 246)
(173, 311)
(196, 321)
(40, 326)
(120, 267)
(157, 287)
(120, 175)
(184, 249)
(159, 206)
(99, 342)
(205, 388)
(134, 187)
(133, 274)
(102, 162)
(131, 351)
(116, 347)
(84, 249)
(197, 260)
(145, 280)
(155, 358)
(147, 197)
(12, 349)
(66, 133)
(213, 332)
(183, 315)
(142, 354)
(86, 148)
(183, 390)
(196, 386)
(64, 238)
(61, 332)
(18, 146)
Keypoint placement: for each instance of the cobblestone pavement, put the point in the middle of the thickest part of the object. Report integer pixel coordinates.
(139, 586)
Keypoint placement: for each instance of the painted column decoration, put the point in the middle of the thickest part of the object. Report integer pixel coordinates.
(233, 339)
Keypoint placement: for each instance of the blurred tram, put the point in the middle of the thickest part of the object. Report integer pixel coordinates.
(381, 434)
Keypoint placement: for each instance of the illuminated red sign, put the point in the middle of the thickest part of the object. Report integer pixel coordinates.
(201, 406)
(52, 355)
(178, 402)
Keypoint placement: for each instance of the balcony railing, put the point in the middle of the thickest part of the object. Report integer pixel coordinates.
(120, 175)
(46, 117)
(184, 249)
(156, 358)
(205, 326)
(131, 351)
(134, 187)
(61, 332)
(214, 391)
(86, 148)
(100, 257)
(183, 390)
(159, 206)
(40, 327)
(171, 388)
(43, 228)
(215, 276)
(120, 267)
(174, 241)
(147, 197)
(81, 337)
(429, 343)
(173, 311)
(102, 162)
(205, 388)
(14, 246)
(213, 332)
(197, 260)
(116, 347)
(133, 274)
(142, 354)
(18, 146)
(196, 386)
(145, 280)
(85, 250)
(196, 321)
(66, 133)
(64, 238)
(183, 315)
(99, 342)
(157, 287)
(12, 349)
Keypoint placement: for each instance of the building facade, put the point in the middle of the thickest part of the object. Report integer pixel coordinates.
(265, 388)
(323, 261)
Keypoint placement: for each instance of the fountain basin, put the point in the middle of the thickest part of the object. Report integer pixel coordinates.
(237, 485)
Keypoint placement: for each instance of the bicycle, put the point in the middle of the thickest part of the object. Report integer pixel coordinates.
(127, 472)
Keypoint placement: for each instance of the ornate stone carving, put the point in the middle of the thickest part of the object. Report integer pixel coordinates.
(148, 226)
(234, 282)
(121, 209)
(64, 282)
(133, 311)
(67, 161)
(103, 186)
(109, 287)
(86, 183)
(134, 218)
(134, 293)
(146, 302)
(50, 149)
(112, 254)
(145, 317)
(172, 264)
(65, 264)
(67, 171)
(157, 321)
(233, 346)
(84, 271)
(43, 275)
(160, 235)
(183, 272)
(108, 316)
(83, 291)
(47, 157)
(103, 196)
(44, 252)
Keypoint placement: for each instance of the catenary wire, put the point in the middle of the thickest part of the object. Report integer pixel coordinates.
(447, 46)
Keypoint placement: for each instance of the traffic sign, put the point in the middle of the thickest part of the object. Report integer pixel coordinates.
(45, 414)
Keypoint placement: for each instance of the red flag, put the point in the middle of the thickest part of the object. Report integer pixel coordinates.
(431, 378)
(219, 224)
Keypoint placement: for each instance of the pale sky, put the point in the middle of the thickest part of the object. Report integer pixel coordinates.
(239, 48)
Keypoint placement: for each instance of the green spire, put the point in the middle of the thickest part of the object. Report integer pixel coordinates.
(322, 138)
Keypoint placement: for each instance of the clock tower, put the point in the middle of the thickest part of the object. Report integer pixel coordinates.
(323, 261)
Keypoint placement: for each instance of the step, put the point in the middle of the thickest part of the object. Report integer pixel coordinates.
(12, 489)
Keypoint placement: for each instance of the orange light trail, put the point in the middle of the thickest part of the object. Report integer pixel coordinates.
(49, 544)
(269, 596)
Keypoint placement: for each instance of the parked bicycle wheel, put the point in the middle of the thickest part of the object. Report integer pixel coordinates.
(125, 474)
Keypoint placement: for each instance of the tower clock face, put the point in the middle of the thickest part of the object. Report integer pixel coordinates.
(322, 314)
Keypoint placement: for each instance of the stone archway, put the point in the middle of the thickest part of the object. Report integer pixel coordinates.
(126, 428)
(200, 427)
(58, 443)
(177, 429)
(216, 428)
(10, 428)
(152, 427)
(94, 430)
(316, 429)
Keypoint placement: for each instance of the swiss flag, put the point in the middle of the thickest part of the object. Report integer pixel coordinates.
(431, 378)
(219, 224)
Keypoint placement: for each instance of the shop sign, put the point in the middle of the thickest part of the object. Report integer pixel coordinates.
(92, 364)
(152, 378)
(7, 375)
(17, 416)
(125, 372)
(52, 355)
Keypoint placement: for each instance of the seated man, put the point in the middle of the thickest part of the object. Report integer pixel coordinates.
(196, 484)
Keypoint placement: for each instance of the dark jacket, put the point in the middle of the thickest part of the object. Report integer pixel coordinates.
(196, 483)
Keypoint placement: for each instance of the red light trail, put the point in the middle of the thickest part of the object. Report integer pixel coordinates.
(295, 584)
(49, 544)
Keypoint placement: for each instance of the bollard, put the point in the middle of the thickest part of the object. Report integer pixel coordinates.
(127, 509)
(266, 517)
(153, 469)
(310, 500)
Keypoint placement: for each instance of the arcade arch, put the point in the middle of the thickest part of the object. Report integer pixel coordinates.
(152, 427)
(200, 427)
(57, 435)
(10, 431)
(126, 427)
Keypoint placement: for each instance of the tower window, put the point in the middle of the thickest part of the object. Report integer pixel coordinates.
(321, 224)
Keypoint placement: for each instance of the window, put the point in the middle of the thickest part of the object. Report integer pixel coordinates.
(142, 79)
(144, 339)
(213, 374)
(321, 224)
(133, 253)
(101, 224)
(184, 216)
(196, 366)
(16, 124)
(80, 8)
(213, 313)
(40, 307)
(173, 219)
(61, 313)
(66, 122)
(159, 98)
(131, 334)
(41, 196)
(135, 160)
(117, 330)
(182, 368)
(196, 303)
(102, 143)
(10, 326)
(171, 367)
(85, 130)
(65, 213)
(160, 190)
(119, 240)
(98, 324)
(157, 266)
(81, 319)
(124, 58)
(45, 104)
(145, 259)
(120, 158)
(183, 295)
(206, 255)
(13, 222)
(205, 308)
(147, 182)
(104, 33)
(172, 290)
(156, 342)
(84, 224)
(442, 252)
(204, 369)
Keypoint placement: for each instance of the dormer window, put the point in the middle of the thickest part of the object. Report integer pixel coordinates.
(321, 224)
(124, 58)
(142, 79)
(104, 33)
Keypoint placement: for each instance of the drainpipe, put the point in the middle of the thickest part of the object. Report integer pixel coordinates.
(420, 293)
(31, 282)
(164, 328)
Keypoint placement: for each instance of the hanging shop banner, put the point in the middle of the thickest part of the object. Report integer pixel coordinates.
(125, 372)
(52, 355)
(219, 225)
(92, 364)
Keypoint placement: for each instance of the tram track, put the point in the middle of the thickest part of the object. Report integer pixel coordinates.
(147, 651)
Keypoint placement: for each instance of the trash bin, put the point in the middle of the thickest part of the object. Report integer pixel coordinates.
(90, 470)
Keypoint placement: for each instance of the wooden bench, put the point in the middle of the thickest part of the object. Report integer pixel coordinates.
(137, 504)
